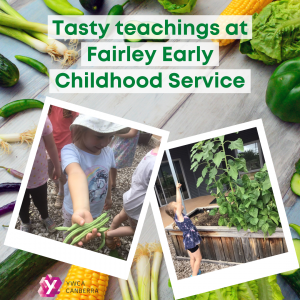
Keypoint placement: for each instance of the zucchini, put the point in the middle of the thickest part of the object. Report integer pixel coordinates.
(9, 73)
(19, 269)
(295, 184)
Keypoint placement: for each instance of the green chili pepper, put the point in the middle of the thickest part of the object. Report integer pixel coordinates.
(33, 63)
(296, 228)
(63, 7)
(117, 9)
(19, 105)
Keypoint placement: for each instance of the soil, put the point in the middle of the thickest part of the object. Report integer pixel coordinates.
(183, 267)
(123, 185)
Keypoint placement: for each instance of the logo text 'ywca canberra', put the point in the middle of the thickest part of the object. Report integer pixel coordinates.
(49, 286)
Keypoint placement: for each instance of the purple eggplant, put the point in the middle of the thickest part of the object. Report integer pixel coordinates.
(9, 187)
(7, 208)
(13, 172)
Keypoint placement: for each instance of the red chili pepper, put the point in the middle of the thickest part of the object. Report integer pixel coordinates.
(13, 172)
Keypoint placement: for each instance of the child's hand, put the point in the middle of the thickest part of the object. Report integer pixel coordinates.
(178, 185)
(108, 203)
(81, 217)
(56, 174)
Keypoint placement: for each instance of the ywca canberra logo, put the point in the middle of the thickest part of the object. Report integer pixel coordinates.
(49, 286)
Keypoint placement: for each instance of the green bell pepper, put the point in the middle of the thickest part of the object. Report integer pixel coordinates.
(283, 91)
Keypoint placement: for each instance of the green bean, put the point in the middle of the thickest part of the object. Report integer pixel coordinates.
(102, 242)
(87, 225)
(74, 232)
(62, 228)
(33, 63)
(19, 105)
(102, 229)
(81, 235)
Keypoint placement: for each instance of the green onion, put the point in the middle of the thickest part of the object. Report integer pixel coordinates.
(54, 48)
(157, 257)
(142, 259)
(124, 289)
(132, 287)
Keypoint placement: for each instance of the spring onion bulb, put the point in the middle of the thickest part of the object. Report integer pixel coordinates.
(26, 137)
(142, 259)
(156, 250)
(124, 289)
(132, 287)
(54, 48)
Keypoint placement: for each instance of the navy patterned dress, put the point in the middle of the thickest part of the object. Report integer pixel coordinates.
(191, 237)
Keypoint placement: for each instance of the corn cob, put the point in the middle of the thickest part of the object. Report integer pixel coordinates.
(83, 284)
(241, 8)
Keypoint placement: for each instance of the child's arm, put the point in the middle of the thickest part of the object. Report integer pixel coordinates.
(179, 203)
(108, 200)
(52, 151)
(131, 134)
(79, 191)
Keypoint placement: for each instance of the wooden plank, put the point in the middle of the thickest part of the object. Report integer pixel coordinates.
(176, 246)
(218, 249)
(211, 248)
(285, 249)
(246, 249)
(276, 246)
(238, 250)
(254, 249)
(181, 246)
(207, 253)
(229, 244)
(225, 248)
(202, 249)
(212, 261)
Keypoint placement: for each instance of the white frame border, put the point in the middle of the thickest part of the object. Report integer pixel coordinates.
(240, 273)
(76, 255)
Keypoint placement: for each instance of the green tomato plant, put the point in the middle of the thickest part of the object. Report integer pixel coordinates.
(245, 203)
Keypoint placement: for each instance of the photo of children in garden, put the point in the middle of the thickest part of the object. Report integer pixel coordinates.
(88, 182)
(217, 204)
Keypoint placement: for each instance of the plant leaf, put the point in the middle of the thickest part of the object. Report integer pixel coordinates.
(238, 144)
(213, 172)
(199, 181)
(213, 212)
(221, 138)
(254, 221)
(253, 212)
(267, 183)
(265, 228)
(221, 221)
(204, 171)
(219, 156)
(223, 209)
(233, 173)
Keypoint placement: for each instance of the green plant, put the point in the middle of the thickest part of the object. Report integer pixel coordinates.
(248, 204)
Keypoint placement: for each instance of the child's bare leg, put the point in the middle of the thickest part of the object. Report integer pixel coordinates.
(197, 261)
(192, 260)
(118, 220)
(113, 177)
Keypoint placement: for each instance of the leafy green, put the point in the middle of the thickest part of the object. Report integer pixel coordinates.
(260, 289)
(275, 33)
(248, 203)
(178, 6)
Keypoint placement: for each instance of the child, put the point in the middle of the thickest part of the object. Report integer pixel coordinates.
(124, 146)
(191, 237)
(132, 202)
(37, 184)
(61, 120)
(87, 163)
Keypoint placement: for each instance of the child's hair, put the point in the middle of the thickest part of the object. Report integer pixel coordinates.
(169, 209)
(77, 132)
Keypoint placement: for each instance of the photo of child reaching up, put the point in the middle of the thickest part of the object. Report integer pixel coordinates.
(191, 237)
(132, 202)
(87, 163)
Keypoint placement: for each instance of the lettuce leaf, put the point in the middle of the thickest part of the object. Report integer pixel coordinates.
(248, 290)
(269, 289)
(178, 6)
(275, 33)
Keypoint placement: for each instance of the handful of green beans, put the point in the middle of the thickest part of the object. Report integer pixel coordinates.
(82, 231)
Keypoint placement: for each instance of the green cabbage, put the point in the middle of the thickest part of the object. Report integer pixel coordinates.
(178, 6)
(275, 33)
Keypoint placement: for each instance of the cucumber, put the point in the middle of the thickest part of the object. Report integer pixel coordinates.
(293, 277)
(19, 269)
(153, 37)
(295, 184)
(93, 6)
(134, 38)
(9, 73)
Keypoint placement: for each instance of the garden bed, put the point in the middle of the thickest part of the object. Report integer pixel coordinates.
(228, 245)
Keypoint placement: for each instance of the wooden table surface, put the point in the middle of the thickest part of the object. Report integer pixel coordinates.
(182, 114)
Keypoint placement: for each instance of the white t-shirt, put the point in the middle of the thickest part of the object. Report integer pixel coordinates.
(96, 169)
(134, 198)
